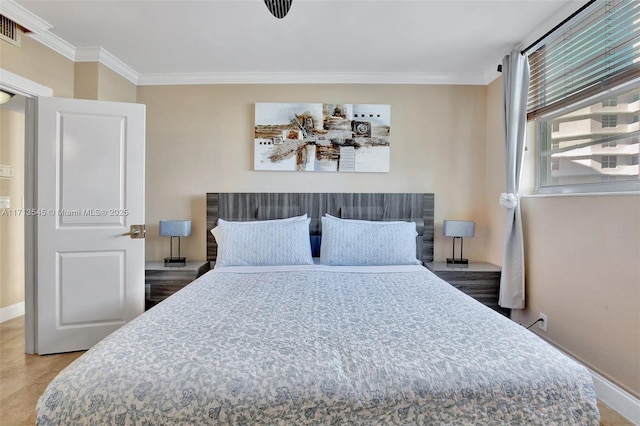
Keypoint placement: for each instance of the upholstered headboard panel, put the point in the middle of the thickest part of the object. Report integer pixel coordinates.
(243, 206)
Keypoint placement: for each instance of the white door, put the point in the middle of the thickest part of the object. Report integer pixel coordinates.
(90, 190)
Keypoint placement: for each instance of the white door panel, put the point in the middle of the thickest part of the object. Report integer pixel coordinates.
(82, 304)
(90, 190)
(85, 163)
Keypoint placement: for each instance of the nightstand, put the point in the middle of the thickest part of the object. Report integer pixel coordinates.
(479, 280)
(162, 281)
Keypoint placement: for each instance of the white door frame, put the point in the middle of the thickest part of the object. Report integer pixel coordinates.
(32, 91)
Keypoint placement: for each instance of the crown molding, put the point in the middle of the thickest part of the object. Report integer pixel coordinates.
(98, 54)
(40, 32)
(56, 44)
(304, 78)
(491, 74)
(22, 16)
(88, 54)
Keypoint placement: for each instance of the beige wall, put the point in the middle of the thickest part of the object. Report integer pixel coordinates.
(82, 80)
(86, 80)
(113, 87)
(495, 178)
(40, 64)
(583, 272)
(12, 227)
(582, 263)
(93, 80)
(199, 139)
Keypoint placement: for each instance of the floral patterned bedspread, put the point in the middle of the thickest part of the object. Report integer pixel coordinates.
(317, 347)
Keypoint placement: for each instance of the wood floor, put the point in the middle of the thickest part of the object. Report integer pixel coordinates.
(23, 378)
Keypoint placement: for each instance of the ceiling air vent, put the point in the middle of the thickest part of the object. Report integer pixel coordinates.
(9, 31)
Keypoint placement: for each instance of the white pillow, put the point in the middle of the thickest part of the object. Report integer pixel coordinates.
(364, 242)
(288, 219)
(263, 242)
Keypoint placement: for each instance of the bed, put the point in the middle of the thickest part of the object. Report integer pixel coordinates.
(334, 339)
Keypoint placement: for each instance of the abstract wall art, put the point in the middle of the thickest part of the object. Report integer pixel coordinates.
(322, 137)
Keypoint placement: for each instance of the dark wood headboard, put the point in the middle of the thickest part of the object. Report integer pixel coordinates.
(243, 206)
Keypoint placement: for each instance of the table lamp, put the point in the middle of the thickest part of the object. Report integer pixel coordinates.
(175, 229)
(458, 229)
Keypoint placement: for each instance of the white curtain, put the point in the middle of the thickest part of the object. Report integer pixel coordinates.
(515, 83)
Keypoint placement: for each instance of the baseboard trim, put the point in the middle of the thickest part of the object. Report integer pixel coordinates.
(611, 394)
(617, 398)
(12, 311)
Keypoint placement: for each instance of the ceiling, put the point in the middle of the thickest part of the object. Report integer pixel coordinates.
(319, 41)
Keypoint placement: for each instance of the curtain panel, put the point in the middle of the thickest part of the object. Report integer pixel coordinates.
(515, 83)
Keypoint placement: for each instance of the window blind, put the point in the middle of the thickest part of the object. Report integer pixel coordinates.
(599, 51)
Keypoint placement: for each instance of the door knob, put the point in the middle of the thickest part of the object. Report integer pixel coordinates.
(136, 231)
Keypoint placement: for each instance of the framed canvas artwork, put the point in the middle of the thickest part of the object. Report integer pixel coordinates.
(322, 137)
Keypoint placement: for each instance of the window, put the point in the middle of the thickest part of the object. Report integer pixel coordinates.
(609, 162)
(587, 77)
(609, 120)
(587, 157)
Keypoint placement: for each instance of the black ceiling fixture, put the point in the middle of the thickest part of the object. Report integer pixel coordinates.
(278, 8)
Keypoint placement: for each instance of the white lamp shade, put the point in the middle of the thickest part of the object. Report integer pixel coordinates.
(175, 228)
(458, 228)
(5, 97)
